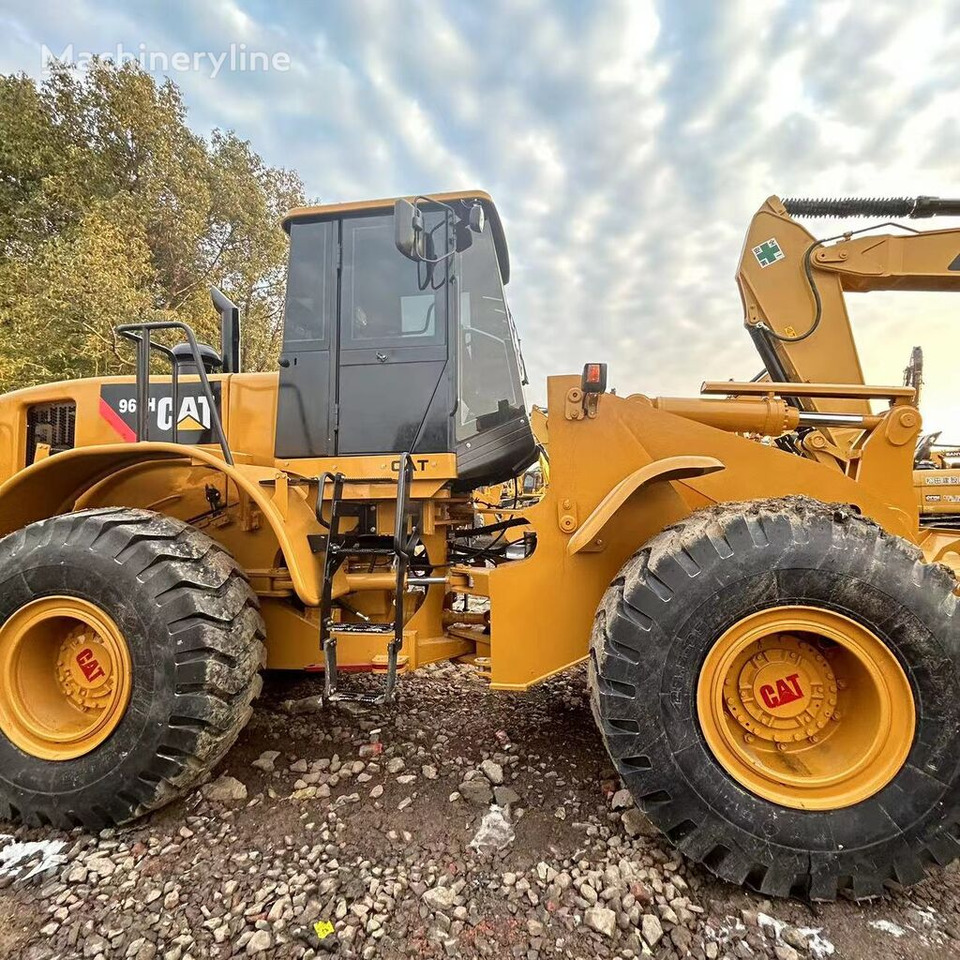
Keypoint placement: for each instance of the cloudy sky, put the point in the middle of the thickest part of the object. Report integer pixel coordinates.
(627, 144)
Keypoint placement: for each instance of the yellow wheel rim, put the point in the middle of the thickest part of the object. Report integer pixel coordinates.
(806, 708)
(66, 675)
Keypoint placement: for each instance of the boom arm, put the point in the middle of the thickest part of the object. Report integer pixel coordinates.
(792, 285)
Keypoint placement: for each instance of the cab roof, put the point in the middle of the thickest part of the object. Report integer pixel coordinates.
(359, 207)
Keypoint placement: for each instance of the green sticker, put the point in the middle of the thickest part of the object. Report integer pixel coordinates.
(768, 252)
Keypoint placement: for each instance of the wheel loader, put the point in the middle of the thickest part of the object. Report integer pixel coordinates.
(763, 592)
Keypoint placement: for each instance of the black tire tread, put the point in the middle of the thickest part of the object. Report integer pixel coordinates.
(213, 617)
(705, 536)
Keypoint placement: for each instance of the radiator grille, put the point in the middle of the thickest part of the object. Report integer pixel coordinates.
(52, 423)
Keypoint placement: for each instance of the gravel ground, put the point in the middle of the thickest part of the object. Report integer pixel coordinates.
(457, 823)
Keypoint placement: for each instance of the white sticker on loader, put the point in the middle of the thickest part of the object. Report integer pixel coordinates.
(768, 252)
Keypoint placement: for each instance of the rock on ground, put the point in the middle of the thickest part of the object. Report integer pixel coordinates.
(440, 898)
(476, 791)
(651, 929)
(340, 822)
(492, 771)
(224, 790)
(602, 920)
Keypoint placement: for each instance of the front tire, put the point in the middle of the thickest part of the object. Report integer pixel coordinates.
(677, 725)
(130, 650)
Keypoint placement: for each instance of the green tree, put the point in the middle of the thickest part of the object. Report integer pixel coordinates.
(112, 209)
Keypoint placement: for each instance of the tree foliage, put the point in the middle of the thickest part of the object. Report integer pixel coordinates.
(113, 210)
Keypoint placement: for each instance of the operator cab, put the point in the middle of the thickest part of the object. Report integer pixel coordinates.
(397, 337)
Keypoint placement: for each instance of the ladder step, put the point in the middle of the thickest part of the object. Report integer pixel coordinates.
(370, 699)
(346, 549)
(335, 627)
(337, 547)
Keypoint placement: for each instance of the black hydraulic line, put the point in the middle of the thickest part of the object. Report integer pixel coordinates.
(774, 368)
(808, 269)
(913, 208)
(489, 528)
(817, 301)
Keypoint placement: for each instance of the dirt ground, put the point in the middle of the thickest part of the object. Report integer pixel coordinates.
(371, 831)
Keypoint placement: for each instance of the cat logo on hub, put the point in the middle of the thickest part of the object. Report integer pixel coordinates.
(788, 690)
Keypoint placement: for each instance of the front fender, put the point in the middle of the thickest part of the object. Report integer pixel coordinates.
(670, 468)
(55, 484)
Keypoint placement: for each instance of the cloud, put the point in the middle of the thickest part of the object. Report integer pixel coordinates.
(627, 145)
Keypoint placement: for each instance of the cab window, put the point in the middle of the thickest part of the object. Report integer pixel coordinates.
(386, 298)
(489, 376)
(311, 284)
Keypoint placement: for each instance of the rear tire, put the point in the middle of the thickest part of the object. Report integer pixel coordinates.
(659, 621)
(192, 628)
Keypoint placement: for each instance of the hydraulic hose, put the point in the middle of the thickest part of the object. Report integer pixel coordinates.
(841, 208)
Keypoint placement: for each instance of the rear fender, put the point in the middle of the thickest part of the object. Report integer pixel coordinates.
(91, 476)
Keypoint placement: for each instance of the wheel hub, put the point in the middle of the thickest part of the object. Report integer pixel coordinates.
(782, 690)
(806, 707)
(65, 677)
(85, 670)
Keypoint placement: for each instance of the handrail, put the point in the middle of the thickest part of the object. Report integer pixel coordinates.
(326, 477)
(174, 383)
(139, 333)
(401, 542)
(762, 388)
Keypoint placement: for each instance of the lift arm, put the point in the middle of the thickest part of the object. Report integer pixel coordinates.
(792, 285)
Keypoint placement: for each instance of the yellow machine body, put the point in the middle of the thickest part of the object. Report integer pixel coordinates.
(621, 469)
(386, 500)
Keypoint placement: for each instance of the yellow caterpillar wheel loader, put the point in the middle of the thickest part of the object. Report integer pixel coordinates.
(766, 604)
(931, 453)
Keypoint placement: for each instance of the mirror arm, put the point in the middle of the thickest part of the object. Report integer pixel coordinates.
(229, 330)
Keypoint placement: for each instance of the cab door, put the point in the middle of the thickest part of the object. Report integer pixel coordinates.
(393, 377)
(306, 402)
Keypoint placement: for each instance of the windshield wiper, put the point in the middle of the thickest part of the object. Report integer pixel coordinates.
(516, 345)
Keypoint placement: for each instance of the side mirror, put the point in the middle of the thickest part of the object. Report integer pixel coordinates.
(477, 219)
(409, 234)
(229, 330)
